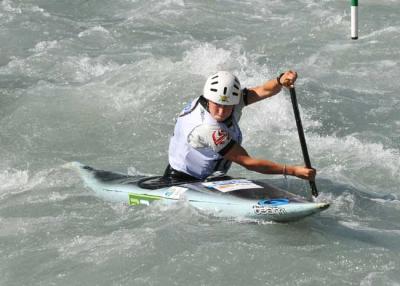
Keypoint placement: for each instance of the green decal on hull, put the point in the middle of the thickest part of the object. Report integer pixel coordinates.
(141, 199)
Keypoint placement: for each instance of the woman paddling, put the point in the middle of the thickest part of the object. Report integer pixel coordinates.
(207, 137)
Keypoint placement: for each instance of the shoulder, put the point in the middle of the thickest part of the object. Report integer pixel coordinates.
(189, 107)
(245, 95)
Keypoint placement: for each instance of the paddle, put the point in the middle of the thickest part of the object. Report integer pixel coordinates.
(303, 143)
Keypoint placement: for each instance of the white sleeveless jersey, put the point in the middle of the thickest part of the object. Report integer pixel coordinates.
(199, 141)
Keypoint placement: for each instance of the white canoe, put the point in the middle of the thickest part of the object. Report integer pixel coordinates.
(228, 198)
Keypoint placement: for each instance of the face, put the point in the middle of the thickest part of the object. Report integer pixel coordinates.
(219, 112)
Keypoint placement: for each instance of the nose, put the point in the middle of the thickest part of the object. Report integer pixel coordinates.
(221, 110)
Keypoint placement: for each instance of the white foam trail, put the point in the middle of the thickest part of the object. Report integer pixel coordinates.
(161, 76)
(21, 181)
(8, 7)
(206, 59)
(384, 31)
(17, 182)
(86, 68)
(35, 8)
(45, 46)
(94, 30)
(363, 227)
(70, 69)
(360, 162)
(380, 277)
(343, 206)
(274, 115)
(11, 8)
(98, 249)
(25, 225)
(13, 179)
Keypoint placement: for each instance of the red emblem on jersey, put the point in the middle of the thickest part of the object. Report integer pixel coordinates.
(219, 137)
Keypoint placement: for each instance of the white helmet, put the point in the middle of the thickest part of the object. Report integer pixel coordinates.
(222, 88)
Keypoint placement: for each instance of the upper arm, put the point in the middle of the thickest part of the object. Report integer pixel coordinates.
(253, 95)
(266, 90)
(238, 155)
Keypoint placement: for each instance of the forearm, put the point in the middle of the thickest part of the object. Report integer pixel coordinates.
(268, 167)
(271, 87)
(239, 155)
(268, 89)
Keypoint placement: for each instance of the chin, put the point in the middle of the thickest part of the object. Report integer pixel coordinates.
(219, 118)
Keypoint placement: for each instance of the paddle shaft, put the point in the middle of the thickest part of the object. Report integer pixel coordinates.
(303, 143)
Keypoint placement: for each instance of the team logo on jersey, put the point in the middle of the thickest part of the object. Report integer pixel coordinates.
(219, 137)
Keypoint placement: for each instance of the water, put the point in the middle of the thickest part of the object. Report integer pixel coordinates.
(102, 82)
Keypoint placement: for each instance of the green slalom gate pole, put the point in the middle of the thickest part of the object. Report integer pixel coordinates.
(354, 19)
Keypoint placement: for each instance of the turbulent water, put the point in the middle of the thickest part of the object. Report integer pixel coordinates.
(101, 82)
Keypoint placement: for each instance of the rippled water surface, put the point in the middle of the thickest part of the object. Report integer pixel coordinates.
(101, 82)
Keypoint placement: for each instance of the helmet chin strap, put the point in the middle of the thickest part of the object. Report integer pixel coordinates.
(204, 103)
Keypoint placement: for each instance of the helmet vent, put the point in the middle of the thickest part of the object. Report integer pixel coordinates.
(215, 82)
(214, 77)
(236, 80)
(213, 89)
(235, 93)
(236, 86)
(225, 89)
